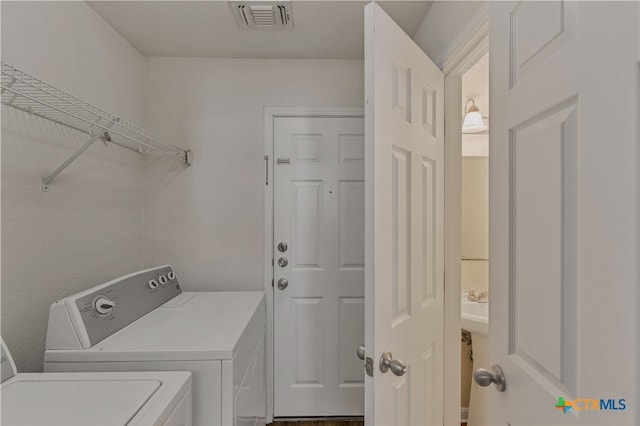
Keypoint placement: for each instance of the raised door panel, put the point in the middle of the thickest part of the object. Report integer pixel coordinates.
(307, 331)
(428, 232)
(402, 399)
(401, 235)
(351, 148)
(401, 91)
(430, 381)
(538, 30)
(351, 330)
(351, 225)
(306, 148)
(307, 207)
(544, 179)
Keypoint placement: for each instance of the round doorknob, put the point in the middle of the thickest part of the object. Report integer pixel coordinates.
(493, 375)
(360, 352)
(283, 283)
(282, 262)
(396, 366)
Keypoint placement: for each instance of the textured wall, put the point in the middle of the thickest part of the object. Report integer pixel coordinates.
(89, 227)
(208, 220)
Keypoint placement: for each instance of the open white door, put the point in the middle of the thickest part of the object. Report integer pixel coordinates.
(563, 212)
(404, 156)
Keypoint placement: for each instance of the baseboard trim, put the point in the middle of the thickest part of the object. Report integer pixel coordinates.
(464, 414)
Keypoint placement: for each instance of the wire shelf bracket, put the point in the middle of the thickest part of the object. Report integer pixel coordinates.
(35, 97)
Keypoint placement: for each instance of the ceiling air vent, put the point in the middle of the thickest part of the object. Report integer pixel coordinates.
(262, 14)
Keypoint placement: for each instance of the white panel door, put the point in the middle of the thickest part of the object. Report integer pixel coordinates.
(319, 316)
(563, 212)
(404, 143)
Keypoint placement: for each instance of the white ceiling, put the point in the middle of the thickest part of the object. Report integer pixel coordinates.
(322, 29)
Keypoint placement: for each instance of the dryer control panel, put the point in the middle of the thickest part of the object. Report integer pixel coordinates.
(97, 313)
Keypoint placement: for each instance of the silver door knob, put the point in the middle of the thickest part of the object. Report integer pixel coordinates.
(360, 352)
(282, 247)
(396, 366)
(282, 262)
(492, 375)
(283, 283)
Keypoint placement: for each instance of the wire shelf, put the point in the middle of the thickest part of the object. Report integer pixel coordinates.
(36, 97)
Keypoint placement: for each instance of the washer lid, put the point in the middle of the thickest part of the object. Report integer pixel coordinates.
(74, 402)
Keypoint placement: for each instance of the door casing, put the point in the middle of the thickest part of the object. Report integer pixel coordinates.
(271, 113)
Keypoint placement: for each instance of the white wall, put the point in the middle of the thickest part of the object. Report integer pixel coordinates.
(475, 223)
(207, 220)
(89, 227)
(446, 25)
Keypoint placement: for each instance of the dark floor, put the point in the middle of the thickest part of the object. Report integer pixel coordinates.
(320, 422)
(324, 422)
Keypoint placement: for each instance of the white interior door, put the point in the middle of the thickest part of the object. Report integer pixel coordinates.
(563, 211)
(319, 315)
(404, 226)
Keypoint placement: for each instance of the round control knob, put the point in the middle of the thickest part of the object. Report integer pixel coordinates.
(104, 305)
(162, 279)
(171, 275)
(153, 284)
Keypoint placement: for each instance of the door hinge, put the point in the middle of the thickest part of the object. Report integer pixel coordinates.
(272, 282)
(266, 170)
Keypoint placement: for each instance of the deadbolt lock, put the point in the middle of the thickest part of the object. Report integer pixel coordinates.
(282, 262)
(283, 283)
(282, 247)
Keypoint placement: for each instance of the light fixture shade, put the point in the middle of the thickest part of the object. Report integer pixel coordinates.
(473, 123)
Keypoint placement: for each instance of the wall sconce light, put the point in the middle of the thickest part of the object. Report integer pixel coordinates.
(473, 122)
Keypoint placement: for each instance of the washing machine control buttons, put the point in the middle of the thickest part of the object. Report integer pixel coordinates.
(171, 275)
(163, 280)
(153, 284)
(103, 305)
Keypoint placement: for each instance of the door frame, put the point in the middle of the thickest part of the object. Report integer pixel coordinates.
(471, 45)
(270, 114)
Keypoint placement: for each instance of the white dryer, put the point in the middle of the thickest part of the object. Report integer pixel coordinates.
(145, 322)
(92, 399)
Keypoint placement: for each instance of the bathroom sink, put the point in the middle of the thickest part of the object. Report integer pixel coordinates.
(475, 317)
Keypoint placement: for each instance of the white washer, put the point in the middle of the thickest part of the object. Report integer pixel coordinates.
(143, 321)
(92, 399)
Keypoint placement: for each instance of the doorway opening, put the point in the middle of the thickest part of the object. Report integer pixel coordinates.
(460, 69)
(474, 261)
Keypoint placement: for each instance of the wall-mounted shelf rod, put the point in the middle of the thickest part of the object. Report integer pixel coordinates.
(26, 93)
